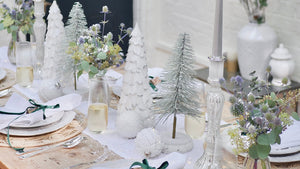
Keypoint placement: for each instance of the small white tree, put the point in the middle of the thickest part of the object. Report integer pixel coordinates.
(76, 23)
(136, 99)
(56, 58)
(178, 89)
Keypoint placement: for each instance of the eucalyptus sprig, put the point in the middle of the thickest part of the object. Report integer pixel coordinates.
(260, 120)
(255, 10)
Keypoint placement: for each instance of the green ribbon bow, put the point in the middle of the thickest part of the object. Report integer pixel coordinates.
(145, 165)
(31, 109)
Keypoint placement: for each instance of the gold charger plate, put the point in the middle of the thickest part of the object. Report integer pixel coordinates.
(9, 80)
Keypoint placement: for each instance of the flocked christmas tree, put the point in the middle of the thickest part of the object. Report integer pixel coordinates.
(178, 89)
(76, 25)
(56, 59)
(134, 109)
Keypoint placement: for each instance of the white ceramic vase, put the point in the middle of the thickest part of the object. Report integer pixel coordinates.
(255, 43)
(282, 65)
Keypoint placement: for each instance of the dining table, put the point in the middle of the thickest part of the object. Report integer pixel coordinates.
(121, 150)
(97, 150)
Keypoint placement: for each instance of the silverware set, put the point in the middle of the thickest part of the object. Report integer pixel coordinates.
(67, 144)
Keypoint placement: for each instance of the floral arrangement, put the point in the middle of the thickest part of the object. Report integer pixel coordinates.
(17, 19)
(261, 119)
(94, 51)
(255, 10)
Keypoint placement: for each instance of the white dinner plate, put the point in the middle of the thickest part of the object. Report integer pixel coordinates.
(283, 156)
(2, 74)
(290, 150)
(54, 118)
(66, 119)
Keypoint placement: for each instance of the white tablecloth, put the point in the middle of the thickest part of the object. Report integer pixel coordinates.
(124, 147)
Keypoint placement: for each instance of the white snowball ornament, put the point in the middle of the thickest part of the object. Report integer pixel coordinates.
(148, 142)
(128, 124)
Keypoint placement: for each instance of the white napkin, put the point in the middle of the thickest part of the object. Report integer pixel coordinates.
(176, 161)
(155, 72)
(17, 103)
(113, 75)
(290, 137)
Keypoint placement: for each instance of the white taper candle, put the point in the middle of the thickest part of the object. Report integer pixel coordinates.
(218, 29)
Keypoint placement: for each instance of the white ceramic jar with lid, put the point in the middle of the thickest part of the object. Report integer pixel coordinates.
(282, 65)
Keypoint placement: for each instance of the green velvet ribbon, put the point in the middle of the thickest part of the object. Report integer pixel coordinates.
(145, 165)
(31, 109)
(152, 85)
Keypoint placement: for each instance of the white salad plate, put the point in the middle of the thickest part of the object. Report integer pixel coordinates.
(68, 116)
(49, 120)
(2, 74)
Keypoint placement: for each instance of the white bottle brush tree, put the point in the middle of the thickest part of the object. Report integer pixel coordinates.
(178, 89)
(135, 103)
(55, 49)
(76, 25)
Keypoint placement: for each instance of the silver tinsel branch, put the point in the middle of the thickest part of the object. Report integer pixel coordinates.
(178, 88)
(76, 23)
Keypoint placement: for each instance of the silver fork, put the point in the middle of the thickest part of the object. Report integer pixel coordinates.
(67, 144)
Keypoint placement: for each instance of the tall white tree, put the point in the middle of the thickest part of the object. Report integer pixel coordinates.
(178, 89)
(136, 99)
(76, 23)
(56, 59)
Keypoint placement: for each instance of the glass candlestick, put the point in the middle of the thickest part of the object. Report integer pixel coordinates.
(211, 159)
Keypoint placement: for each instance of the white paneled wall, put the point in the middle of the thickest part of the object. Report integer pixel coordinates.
(163, 20)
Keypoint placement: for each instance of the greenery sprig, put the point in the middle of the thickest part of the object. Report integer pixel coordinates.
(255, 10)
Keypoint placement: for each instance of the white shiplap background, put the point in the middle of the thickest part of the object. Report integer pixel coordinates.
(162, 20)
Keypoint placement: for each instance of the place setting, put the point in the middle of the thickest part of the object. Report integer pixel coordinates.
(122, 90)
(39, 135)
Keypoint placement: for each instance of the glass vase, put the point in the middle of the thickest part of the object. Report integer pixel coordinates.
(250, 163)
(98, 104)
(194, 126)
(11, 51)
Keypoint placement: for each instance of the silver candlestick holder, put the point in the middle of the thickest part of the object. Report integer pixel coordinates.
(39, 30)
(212, 157)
